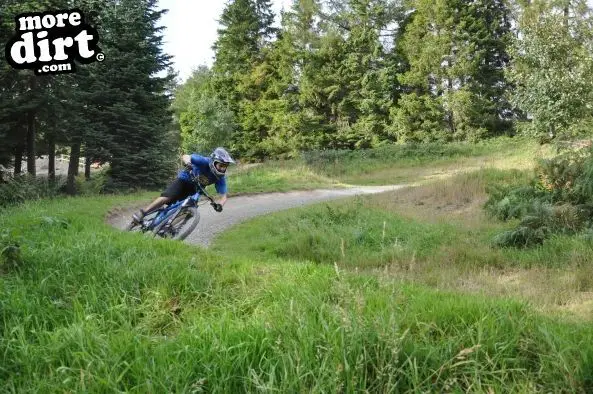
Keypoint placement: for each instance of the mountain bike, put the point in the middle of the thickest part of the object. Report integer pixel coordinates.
(175, 221)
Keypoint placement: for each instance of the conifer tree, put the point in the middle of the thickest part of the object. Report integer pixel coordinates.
(246, 29)
(457, 53)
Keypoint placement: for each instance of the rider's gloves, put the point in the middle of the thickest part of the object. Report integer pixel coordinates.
(217, 207)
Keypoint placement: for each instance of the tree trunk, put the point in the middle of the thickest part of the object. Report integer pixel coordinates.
(51, 167)
(73, 168)
(87, 168)
(31, 154)
(450, 121)
(566, 12)
(31, 143)
(18, 159)
(449, 113)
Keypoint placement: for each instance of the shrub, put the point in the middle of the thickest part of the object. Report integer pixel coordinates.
(10, 252)
(93, 186)
(558, 200)
(559, 175)
(513, 202)
(18, 189)
(21, 188)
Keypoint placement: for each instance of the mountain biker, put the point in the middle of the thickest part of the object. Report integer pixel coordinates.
(207, 170)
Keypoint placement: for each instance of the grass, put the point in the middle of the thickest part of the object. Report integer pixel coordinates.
(368, 294)
(437, 235)
(277, 177)
(87, 308)
(391, 164)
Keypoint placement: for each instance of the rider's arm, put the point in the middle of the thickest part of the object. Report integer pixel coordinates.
(222, 199)
(194, 159)
(221, 189)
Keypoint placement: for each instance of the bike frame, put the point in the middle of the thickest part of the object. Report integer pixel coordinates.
(166, 213)
(171, 211)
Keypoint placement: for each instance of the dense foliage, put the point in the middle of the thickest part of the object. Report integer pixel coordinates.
(363, 73)
(323, 75)
(558, 200)
(115, 112)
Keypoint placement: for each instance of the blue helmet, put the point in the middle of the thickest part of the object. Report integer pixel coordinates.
(220, 155)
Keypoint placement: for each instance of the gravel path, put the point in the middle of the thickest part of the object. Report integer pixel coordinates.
(239, 209)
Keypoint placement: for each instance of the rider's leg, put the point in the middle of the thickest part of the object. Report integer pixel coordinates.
(157, 203)
(174, 192)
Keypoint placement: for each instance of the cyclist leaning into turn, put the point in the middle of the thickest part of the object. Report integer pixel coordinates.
(207, 170)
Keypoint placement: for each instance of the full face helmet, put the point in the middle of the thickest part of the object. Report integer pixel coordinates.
(220, 160)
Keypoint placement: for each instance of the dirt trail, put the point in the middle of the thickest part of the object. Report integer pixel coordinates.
(239, 209)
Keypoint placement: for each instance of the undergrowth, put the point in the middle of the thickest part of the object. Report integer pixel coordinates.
(557, 200)
(86, 308)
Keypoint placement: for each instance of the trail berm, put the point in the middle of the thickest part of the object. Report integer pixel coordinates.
(241, 208)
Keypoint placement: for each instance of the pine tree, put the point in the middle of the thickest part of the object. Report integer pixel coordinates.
(457, 53)
(10, 133)
(135, 113)
(480, 105)
(302, 33)
(370, 87)
(236, 48)
(246, 28)
(348, 77)
(25, 93)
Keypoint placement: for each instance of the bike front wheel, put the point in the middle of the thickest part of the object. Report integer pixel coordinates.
(183, 223)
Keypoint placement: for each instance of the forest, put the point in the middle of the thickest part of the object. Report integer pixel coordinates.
(330, 75)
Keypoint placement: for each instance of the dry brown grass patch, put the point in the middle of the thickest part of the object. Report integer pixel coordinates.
(471, 265)
(550, 291)
(458, 199)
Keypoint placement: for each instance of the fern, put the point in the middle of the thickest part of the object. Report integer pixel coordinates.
(559, 200)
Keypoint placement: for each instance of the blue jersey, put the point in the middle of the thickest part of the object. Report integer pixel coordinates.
(201, 169)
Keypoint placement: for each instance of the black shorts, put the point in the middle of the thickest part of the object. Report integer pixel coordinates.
(179, 190)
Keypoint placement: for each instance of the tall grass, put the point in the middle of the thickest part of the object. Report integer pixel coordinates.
(90, 309)
(342, 164)
(19, 189)
(436, 235)
(389, 164)
(350, 234)
(16, 190)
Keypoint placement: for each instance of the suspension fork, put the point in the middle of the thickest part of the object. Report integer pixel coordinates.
(204, 192)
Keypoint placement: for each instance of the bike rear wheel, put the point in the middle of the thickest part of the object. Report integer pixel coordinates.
(185, 221)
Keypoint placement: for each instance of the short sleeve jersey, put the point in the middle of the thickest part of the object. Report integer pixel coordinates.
(201, 169)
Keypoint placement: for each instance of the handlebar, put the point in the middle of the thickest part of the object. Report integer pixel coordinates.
(217, 207)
